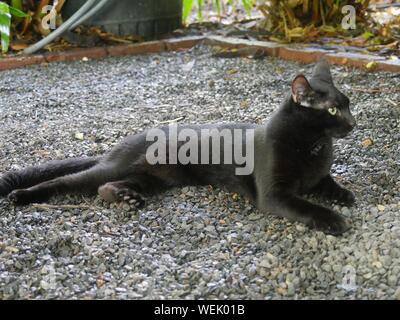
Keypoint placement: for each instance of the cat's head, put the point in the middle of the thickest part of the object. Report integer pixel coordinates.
(320, 96)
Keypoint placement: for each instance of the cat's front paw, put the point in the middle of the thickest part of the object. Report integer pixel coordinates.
(330, 222)
(331, 190)
(345, 197)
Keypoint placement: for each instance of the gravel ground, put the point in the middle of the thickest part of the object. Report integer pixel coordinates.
(191, 242)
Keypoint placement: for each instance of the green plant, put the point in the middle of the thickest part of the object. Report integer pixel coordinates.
(188, 5)
(6, 11)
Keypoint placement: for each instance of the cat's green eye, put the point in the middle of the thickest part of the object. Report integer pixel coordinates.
(332, 110)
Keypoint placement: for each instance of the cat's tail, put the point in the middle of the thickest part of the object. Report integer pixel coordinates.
(34, 175)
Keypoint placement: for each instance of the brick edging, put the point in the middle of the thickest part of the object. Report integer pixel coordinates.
(308, 54)
(286, 52)
(101, 52)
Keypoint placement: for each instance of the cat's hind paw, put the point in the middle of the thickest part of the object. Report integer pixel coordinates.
(114, 192)
(132, 197)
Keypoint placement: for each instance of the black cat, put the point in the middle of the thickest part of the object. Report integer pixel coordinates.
(292, 156)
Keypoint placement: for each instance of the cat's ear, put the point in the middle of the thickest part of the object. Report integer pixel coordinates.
(302, 91)
(322, 71)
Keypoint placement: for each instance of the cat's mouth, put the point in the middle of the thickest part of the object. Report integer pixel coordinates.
(340, 135)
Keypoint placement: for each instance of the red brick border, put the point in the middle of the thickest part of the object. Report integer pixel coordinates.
(309, 54)
(101, 52)
(182, 43)
(287, 52)
(268, 48)
(76, 54)
(140, 48)
(16, 62)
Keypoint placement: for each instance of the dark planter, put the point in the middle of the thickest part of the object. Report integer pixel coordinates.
(147, 18)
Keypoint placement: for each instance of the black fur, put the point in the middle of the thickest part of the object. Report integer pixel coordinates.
(293, 155)
(48, 171)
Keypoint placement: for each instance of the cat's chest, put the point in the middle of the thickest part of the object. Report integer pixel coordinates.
(293, 162)
(317, 152)
(315, 161)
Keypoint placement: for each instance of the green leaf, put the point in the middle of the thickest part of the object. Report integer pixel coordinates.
(18, 13)
(247, 4)
(200, 10)
(5, 24)
(16, 4)
(187, 7)
(367, 34)
(218, 6)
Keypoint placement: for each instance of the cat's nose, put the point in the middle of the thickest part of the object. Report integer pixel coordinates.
(351, 122)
